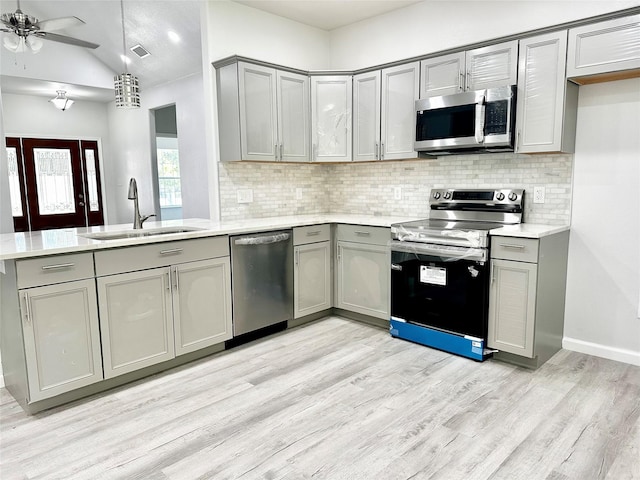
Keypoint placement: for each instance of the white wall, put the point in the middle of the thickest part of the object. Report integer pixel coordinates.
(234, 29)
(132, 136)
(434, 25)
(604, 251)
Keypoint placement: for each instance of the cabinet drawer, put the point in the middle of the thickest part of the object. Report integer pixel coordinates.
(513, 248)
(128, 259)
(363, 234)
(311, 234)
(54, 269)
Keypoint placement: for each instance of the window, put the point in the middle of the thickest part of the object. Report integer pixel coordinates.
(168, 172)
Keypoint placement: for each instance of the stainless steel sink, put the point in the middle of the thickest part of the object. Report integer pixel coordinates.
(152, 232)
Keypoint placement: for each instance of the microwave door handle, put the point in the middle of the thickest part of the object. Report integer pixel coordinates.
(480, 108)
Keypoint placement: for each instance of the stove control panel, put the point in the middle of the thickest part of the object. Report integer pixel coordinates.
(487, 197)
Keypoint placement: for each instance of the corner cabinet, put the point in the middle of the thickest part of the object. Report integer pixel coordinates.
(363, 276)
(526, 304)
(331, 98)
(477, 69)
(604, 51)
(60, 324)
(312, 270)
(547, 103)
(263, 113)
(384, 115)
(162, 300)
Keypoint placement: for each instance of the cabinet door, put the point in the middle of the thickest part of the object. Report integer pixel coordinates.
(366, 116)
(512, 307)
(604, 47)
(201, 304)
(492, 66)
(442, 75)
(258, 119)
(331, 98)
(400, 89)
(363, 279)
(293, 117)
(312, 278)
(61, 338)
(541, 93)
(136, 321)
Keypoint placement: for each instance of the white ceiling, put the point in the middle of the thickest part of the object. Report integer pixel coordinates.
(147, 22)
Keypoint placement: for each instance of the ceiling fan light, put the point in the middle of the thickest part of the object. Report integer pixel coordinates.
(34, 44)
(14, 44)
(61, 102)
(127, 91)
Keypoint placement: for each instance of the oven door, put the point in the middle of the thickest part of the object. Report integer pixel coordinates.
(441, 287)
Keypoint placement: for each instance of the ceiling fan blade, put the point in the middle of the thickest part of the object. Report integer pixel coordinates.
(68, 40)
(59, 23)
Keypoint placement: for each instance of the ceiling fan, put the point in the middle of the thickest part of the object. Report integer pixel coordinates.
(28, 31)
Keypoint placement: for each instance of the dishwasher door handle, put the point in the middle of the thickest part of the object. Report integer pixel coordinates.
(262, 239)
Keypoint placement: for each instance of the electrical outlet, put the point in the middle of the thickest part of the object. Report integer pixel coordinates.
(245, 196)
(298, 194)
(397, 193)
(538, 194)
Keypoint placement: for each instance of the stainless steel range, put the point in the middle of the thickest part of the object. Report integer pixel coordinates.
(440, 268)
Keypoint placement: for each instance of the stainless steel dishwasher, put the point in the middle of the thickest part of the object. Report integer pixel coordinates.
(262, 280)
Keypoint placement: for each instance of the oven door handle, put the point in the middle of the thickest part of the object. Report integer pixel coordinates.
(444, 251)
(480, 109)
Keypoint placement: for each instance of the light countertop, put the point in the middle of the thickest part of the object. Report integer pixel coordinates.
(68, 240)
(528, 230)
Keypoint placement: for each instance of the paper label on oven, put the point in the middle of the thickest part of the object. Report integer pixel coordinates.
(433, 275)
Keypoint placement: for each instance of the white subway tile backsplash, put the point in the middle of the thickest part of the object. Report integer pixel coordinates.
(368, 187)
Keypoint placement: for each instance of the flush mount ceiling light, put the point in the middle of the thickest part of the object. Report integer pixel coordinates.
(126, 85)
(61, 102)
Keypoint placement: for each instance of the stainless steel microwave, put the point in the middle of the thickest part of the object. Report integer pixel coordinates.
(479, 121)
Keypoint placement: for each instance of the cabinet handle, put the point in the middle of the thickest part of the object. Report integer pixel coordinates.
(468, 86)
(313, 152)
(27, 311)
(58, 266)
(377, 151)
(171, 251)
(313, 234)
(339, 253)
(363, 234)
(176, 276)
(512, 245)
(492, 275)
(169, 280)
(382, 151)
(518, 140)
(460, 81)
(281, 150)
(297, 257)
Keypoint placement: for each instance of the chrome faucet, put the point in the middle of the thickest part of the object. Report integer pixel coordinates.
(138, 219)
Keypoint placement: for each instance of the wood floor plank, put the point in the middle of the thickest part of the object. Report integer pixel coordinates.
(337, 399)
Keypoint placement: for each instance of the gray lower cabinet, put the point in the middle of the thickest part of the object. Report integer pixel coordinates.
(153, 315)
(526, 304)
(61, 338)
(362, 270)
(312, 270)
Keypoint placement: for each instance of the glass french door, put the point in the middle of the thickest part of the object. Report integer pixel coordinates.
(54, 183)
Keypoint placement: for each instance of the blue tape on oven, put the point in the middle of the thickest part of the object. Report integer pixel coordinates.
(467, 347)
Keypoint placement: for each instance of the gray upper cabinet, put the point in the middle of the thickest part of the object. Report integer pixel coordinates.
(384, 115)
(331, 98)
(604, 48)
(263, 113)
(547, 103)
(293, 116)
(477, 69)
(366, 116)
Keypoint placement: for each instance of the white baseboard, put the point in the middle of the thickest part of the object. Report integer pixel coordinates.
(604, 351)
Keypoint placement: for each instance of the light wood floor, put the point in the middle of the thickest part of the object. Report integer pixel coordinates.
(339, 400)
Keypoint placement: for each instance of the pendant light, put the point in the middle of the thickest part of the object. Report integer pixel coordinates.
(61, 102)
(126, 84)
